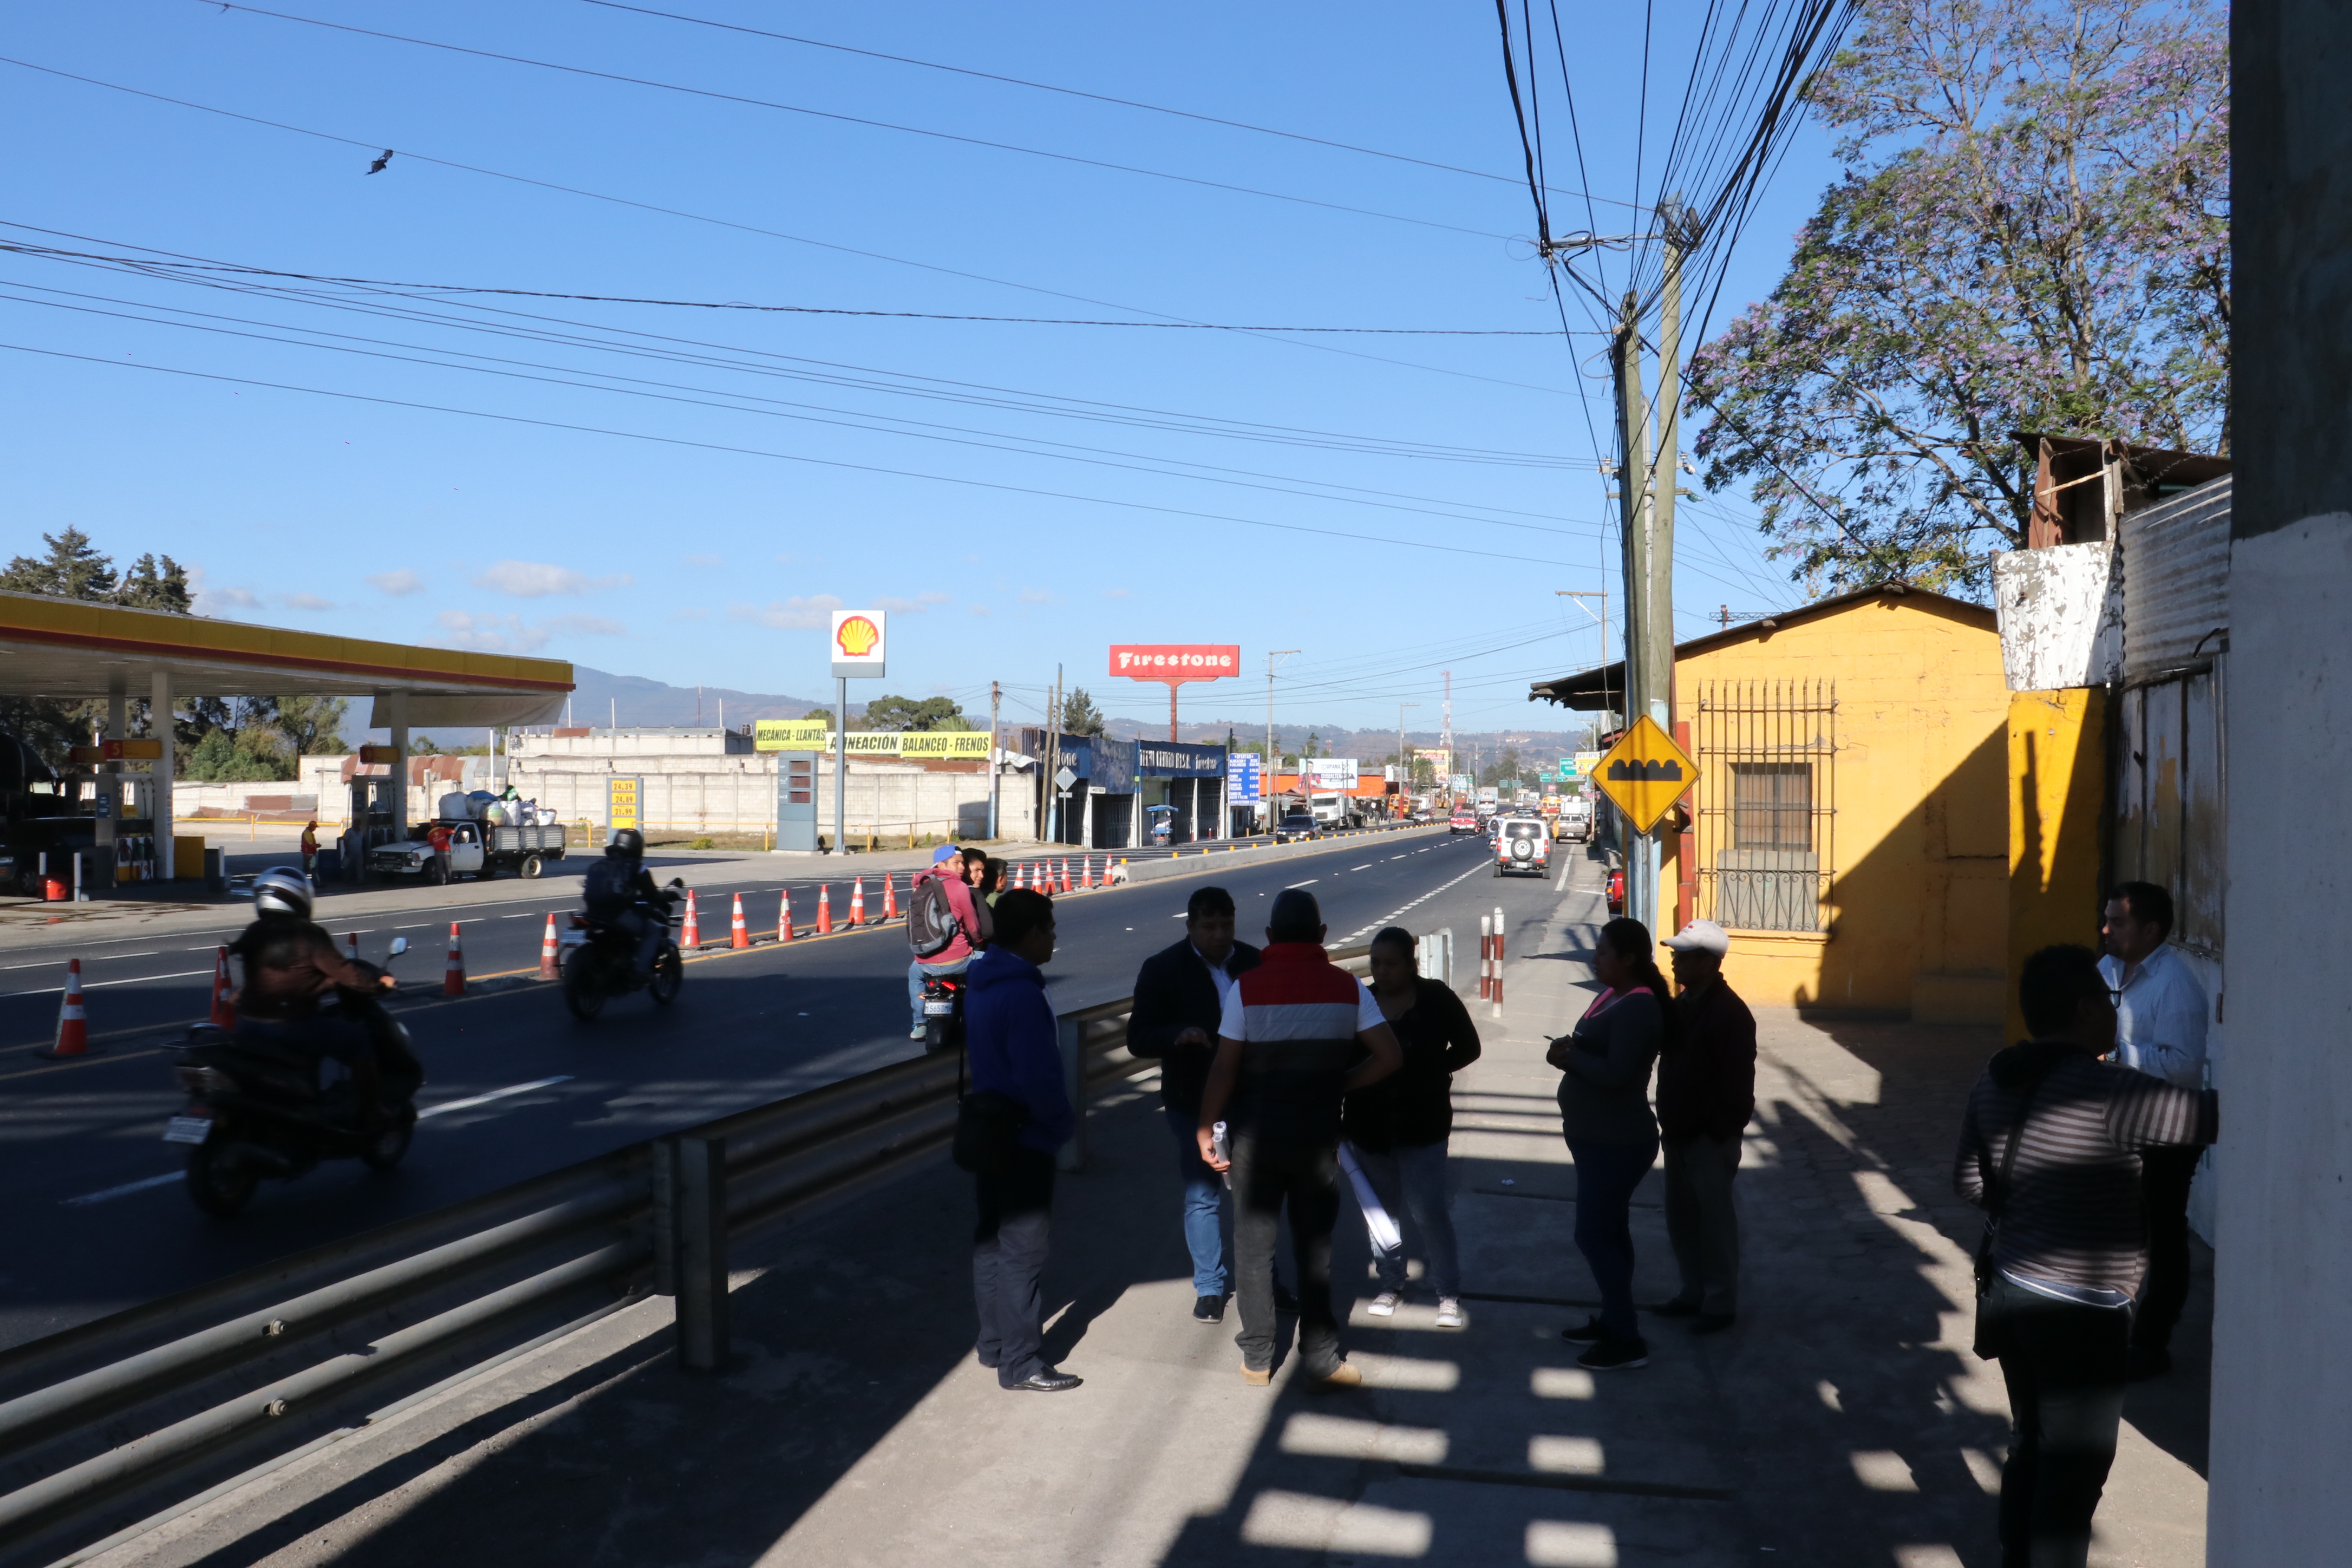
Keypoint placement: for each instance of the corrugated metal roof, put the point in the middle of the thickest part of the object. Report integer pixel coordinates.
(2175, 580)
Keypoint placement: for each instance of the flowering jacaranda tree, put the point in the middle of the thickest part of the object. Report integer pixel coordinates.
(2031, 234)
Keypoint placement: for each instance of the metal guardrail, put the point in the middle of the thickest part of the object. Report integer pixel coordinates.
(167, 1403)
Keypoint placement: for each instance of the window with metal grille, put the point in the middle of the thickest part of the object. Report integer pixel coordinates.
(1765, 809)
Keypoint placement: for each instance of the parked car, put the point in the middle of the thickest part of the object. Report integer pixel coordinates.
(1463, 821)
(1522, 847)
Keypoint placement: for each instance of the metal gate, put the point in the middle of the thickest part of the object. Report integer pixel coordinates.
(1767, 803)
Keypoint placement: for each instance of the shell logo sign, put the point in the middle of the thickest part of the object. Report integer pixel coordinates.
(859, 642)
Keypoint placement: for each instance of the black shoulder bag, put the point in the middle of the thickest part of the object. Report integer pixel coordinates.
(1997, 1199)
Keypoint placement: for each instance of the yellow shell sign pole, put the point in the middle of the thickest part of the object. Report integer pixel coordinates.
(1643, 775)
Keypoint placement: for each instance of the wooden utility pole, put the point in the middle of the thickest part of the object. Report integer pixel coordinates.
(995, 762)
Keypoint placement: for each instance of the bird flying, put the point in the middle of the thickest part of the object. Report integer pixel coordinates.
(377, 167)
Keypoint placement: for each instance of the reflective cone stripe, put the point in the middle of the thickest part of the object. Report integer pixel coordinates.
(784, 918)
(224, 1012)
(352, 945)
(452, 977)
(1498, 961)
(1486, 957)
(825, 908)
(858, 903)
(889, 898)
(548, 950)
(742, 935)
(693, 933)
(73, 1025)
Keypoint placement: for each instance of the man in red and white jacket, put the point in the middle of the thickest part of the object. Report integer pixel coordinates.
(1298, 1033)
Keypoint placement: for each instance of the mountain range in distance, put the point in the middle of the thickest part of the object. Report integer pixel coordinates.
(602, 698)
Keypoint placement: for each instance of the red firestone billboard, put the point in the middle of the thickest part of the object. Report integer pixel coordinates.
(1175, 663)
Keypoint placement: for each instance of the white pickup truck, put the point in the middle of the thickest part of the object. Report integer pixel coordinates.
(477, 849)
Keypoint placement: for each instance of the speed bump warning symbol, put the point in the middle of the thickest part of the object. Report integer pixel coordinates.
(1646, 773)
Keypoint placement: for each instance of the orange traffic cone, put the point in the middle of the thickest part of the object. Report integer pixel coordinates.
(73, 1025)
(784, 918)
(224, 1012)
(889, 899)
(352, 945)
(452, 977)
(742, 935)
(548, 950)
(1065, 874)
(824, 909)
(692, 936)
(1086, 871)
(858, 903)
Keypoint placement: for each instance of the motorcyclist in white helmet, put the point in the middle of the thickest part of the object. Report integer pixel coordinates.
(290, 966)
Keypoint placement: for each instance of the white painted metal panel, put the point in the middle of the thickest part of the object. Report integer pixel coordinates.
(2062, 616)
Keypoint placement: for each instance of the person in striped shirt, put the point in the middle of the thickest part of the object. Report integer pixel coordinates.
(1298, 1033)
(2050, 1149)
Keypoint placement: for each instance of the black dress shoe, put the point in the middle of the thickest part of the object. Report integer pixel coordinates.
(1044, 1383)
(1208, 1308)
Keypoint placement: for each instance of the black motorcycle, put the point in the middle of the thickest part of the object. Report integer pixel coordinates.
(602, 962)
(256, 1107)
(942, 1012)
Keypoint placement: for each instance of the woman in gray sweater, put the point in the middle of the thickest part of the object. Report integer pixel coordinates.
(1612, 1135)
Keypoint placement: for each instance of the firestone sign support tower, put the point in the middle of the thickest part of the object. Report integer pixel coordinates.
(858, 649)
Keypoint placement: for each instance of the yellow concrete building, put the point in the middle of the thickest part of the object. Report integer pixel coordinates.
(1850, 826)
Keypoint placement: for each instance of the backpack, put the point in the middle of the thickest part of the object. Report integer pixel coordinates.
(930, 919)
(609, 887)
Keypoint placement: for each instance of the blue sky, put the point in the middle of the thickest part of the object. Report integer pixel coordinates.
(1017, 495)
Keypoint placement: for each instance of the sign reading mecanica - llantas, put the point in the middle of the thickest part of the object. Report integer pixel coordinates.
(816, 735)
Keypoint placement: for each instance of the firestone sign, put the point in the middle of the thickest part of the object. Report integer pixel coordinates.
(1175, 662)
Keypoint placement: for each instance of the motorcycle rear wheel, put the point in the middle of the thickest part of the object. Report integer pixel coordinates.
(581, 993)
(215, 1183)
(670, 974)
(390, 1146)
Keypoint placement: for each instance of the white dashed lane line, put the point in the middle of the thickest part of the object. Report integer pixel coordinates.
(472, 1101)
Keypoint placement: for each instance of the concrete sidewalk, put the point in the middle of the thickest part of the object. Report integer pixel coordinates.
(1844, 1422)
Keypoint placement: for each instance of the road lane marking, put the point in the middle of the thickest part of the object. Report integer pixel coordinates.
(1565, 867)
(94, 984)
(474, 1100)
(1309, 883)
(125, 1189)
(1365, 867)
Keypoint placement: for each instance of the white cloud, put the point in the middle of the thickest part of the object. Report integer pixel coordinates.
(710, 561)
(795, 613)
(914, 607)
(691, 613)
(539, 580)
(211, 599)
(982, 610)
(1115, 592)
(1038, 597)
(488, 633)
(590, 626)
(305, 601)
(398, 583)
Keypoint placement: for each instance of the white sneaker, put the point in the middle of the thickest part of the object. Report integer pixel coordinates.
(1450, 1314)
(1384, 1305)
(915, 1034)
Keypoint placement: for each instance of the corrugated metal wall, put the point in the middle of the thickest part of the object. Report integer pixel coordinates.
(2175, 580)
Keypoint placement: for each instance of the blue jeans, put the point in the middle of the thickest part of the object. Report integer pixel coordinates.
(1606, 1175)
(1416, 1173)
(1204, 1208)
(915, 974)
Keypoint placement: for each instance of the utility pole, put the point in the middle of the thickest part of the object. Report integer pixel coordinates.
(995, 762)
(1270, 765)
(1051, 831)
(1579, 595)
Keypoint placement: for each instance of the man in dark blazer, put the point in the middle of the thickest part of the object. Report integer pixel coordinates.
(1179, 995)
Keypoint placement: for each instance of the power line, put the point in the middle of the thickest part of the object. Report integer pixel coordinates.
(413, 156)
(749, 102)
(1095, 97)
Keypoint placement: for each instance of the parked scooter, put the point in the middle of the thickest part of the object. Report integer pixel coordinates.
(600, 958)
(256, 1107)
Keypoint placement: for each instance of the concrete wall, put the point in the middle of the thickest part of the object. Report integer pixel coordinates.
(2057, 819)
(1918, 906)
(2281, 1411)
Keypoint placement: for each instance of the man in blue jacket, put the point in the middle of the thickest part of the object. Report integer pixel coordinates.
(1013, 1050)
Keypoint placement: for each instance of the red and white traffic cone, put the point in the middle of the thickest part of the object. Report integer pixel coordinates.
(453, 976)
(692, 936)
(1066, 873)
(352, 945)
(858, 903)
(549, 949)
(825, 908)
(742, 935)
(73, 1024)
(224, 1011)
(784, 918)
(1086, 871)
(889, 899)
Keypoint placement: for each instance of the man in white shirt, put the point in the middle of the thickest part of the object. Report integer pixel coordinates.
(2160, 1018)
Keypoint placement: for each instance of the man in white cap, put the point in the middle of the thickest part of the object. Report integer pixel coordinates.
(1707, 1092)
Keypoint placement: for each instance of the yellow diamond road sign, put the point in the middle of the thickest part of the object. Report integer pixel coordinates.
(1646, 773)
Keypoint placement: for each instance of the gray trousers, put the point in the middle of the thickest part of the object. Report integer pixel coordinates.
(1703, 1220)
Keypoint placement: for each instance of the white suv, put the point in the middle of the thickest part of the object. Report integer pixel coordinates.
(1522, 846)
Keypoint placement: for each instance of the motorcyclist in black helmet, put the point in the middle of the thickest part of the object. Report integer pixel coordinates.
(291, 964)
(614, 890)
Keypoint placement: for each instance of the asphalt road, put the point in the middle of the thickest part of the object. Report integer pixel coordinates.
(94, 1204)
